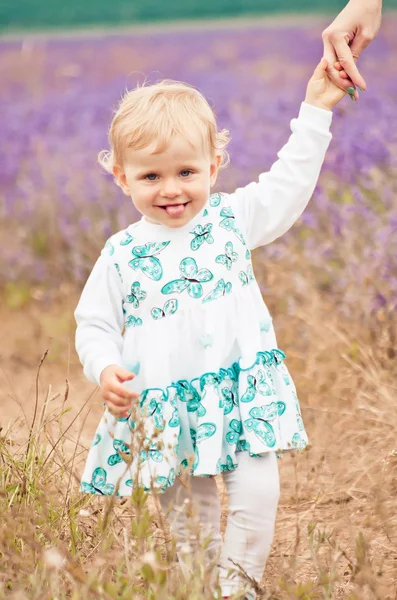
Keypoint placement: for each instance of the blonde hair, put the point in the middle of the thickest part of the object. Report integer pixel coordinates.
(157, 113)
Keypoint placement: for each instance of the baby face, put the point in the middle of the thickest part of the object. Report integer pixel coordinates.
(169, 187)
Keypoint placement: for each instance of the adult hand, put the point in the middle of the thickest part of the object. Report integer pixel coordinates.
(116, 397)
(347, 36)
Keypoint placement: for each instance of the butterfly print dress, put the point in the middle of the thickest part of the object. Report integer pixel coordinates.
(180, 307)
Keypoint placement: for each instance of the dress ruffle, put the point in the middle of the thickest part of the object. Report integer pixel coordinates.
(197, 425)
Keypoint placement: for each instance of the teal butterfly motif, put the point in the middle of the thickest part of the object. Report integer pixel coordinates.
(97, 440)
(133, 322)
(256, 384)
(299, 419)
(153, 407)
(174, 420)
(260, 426)
(247, 254)
(127, 239)
(230, 399)
(229, 223)
(188, 393)
(205, 213)
(228, 258)
(109, 247)
(205, 431)
(209, 379)
(232, 372)
(236, 429)
(215, 200)
(170, 308)
(201, 235)
(229, 466)
(151, 453)
(146, 259)
(286, 378)
(264, 325)
(298, 442)
(117, 266)
(191, 279)
(98, 484)
(136, 295)
(121, 448)
(165, 482)
(221, 289)
(246, 276)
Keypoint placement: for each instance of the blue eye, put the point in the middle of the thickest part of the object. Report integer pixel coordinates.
(151, 177)
(186, 172)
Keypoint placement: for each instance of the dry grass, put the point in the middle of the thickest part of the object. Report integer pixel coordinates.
(336, 532)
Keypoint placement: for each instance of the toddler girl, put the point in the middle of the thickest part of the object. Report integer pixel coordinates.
(173, 328)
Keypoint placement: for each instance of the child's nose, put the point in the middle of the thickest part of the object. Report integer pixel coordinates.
(170, 189)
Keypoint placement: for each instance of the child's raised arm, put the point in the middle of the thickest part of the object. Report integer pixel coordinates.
(268, 208)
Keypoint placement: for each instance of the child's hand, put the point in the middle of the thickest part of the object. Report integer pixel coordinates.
(116, 397)
(321, 91)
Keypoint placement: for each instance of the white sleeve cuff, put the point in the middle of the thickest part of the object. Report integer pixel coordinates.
(315, 117)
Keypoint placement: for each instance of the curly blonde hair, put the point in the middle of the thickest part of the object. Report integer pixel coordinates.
(157, 113)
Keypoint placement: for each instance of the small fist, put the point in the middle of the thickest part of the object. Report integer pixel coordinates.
(321, 90)
(116, 397)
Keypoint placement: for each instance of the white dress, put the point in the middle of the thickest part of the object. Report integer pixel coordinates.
(180, 307)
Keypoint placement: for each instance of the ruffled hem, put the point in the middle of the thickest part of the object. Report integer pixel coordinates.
(197, 426)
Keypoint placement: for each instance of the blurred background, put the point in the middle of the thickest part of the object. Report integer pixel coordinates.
(34, 14)
(331, 282)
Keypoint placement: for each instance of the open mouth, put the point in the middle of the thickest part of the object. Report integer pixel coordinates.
(174, 210)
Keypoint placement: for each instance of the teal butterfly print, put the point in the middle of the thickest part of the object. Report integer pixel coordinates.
(121, 448)
(165, 482)
(146, 259)
(152, 453)
(170, 308)
(247, 254)
(232, 372)
(205, 431)
(109, 247)
(98, 483)
(229, 466)
(137, 295)
(209, 379)
(256, 384)
(117, 266)
(230, 399)
(246, 277)
(265, 325)
(97, 439)
(221, 289)
(298, 442)
(215, 200)
(201, 235)
(127, 239)
(236, 430)
(191, 279)
(260, 426)
(152, 407)
(229, 257)
(188, 393)
(133, 322)
(229, 223)
(205, 213)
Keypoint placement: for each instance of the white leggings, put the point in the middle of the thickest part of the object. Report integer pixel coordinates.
(253, 491)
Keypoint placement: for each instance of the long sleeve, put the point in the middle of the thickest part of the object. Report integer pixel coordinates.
(268, 208)
(99, 317)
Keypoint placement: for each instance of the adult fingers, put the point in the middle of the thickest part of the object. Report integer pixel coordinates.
(347, 57)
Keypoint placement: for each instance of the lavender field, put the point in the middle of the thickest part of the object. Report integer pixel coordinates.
(331, 284)
(57, 208)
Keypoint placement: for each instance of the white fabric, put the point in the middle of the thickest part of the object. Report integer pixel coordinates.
(180, 307)
(253, 493)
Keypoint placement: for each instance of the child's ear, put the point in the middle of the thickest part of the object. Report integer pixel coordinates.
(214, 168)
(121, 179)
